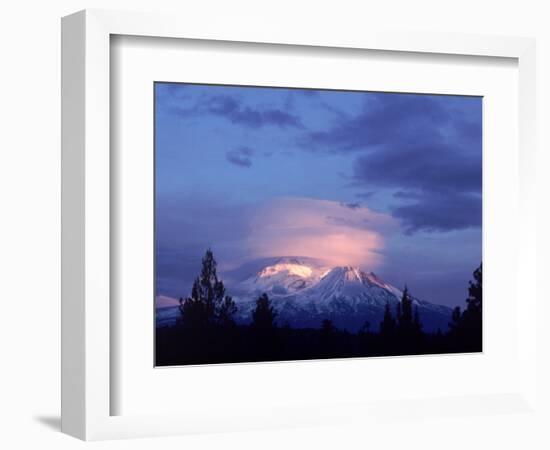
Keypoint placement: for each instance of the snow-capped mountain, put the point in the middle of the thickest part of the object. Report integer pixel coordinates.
(304, 292)
(283, 277)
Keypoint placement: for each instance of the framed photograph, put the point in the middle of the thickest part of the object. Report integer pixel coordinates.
(293, 197)
(329, 215)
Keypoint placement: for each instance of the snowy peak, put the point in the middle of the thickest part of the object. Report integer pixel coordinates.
(349, 274)
(345, 274)
(291, 276)
(285, 276)
(351, 282)
(306, 291)
(293, 268)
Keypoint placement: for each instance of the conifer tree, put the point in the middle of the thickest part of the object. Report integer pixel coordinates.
(417, 324)
(405, 319)
(327, 339)
(208, 304)
(227, 310)
(387, 326)
(454, 324)
(327, 327)
(475, 291)
(471, 319)
(263, 316)
(466, 326)
(398, 314)
(366, 327)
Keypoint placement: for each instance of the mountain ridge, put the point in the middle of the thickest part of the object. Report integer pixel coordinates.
(304, 294)
(306, 291)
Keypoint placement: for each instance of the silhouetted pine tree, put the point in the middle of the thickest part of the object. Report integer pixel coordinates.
(327, 339)
(471, 320)
(327, 327)
(366, 327)
(465, 328)
(227, 310)
(387, 326)
(265, 337)
(405, 320)
(417, 324)
(454, 324)
(208, 304)
(475, 291)
(398, 314)
(263, 316)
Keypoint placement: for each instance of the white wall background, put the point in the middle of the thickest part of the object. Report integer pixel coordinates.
(30, 198)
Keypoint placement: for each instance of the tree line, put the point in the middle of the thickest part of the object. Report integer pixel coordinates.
(207, 333)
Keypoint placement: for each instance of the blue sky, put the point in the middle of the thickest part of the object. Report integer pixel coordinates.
(388, 182)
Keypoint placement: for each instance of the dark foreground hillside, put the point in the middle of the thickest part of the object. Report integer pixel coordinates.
(178, 346)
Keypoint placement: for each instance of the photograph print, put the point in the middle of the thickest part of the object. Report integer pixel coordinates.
(301, 224)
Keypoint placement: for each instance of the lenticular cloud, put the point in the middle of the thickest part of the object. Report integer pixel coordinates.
(320, 229)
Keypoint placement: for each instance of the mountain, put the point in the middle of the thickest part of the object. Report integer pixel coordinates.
(305, 291)
(283, 276)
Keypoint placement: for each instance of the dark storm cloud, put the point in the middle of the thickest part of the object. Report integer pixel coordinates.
(385, 117)
(427, 168)
(426, 148)
(240, 156)
(231, 108)
(235, 112)
(440, 212)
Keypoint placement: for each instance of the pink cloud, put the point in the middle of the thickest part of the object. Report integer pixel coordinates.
(320, 229)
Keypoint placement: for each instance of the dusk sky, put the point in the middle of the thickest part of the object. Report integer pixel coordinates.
(387, 182)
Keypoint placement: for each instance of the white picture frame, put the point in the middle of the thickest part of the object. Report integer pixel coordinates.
(86, 214)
